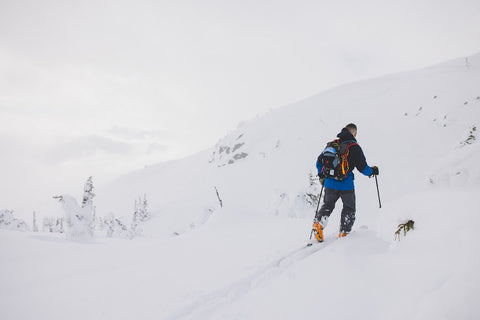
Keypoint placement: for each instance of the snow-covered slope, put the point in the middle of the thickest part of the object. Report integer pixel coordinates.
(414, 126)
(247, 259)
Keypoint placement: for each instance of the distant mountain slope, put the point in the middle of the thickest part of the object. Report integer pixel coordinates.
(419, 127)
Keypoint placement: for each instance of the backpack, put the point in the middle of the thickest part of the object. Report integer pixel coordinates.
(334, 159)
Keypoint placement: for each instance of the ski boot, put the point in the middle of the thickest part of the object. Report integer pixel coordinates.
(342, 234)
(318, 230)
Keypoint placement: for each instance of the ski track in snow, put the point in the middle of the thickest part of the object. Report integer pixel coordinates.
(208, 303)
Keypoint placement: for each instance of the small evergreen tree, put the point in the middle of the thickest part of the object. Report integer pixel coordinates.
(141, 209)
(88, 194)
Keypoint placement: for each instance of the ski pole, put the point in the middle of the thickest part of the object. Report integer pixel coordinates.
(378, 193)
(316, 211)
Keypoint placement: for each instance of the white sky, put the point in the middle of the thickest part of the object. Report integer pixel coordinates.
(103, 87)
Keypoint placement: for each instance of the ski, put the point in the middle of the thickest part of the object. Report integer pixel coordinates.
(309, 244)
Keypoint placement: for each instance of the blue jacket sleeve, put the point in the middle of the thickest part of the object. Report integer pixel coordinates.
(367, 171)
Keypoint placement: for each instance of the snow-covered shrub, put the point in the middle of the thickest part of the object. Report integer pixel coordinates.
(312, 193)
(404, 228)
(141, 209)
(471, 136)
(52, 224)
(116, 228)
(8, 221)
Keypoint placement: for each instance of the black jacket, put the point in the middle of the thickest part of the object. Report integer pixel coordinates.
(356, 158)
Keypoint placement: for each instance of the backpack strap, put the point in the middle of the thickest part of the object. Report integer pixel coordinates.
(345, 166)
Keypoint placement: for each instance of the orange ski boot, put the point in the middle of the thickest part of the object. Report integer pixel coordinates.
(342, 234)
(318, 230)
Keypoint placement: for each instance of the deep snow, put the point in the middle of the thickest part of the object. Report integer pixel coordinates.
(246, 260)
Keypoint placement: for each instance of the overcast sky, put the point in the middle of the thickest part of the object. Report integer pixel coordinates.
(103, 87)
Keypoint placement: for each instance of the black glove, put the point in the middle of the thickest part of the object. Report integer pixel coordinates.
(374, 171)
(321, 178)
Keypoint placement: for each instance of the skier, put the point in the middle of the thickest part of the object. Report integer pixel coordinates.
(343, 189)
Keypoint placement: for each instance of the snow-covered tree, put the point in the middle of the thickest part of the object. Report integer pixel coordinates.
(52, 224)
(141, 209)
(140, 214)
(88, 194)
(8, 221)
(116, 228)
(78, 219)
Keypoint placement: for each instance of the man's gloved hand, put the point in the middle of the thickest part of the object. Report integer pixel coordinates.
(374, 171)
(321, 178)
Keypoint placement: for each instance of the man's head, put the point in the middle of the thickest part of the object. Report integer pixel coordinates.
(352, 128)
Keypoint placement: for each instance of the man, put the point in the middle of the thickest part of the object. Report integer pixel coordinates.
(344, 189)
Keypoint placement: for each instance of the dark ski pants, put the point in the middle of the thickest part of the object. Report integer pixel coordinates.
(348, 211)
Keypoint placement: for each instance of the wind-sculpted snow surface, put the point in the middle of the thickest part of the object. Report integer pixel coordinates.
(224, 237)
(206, 305)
